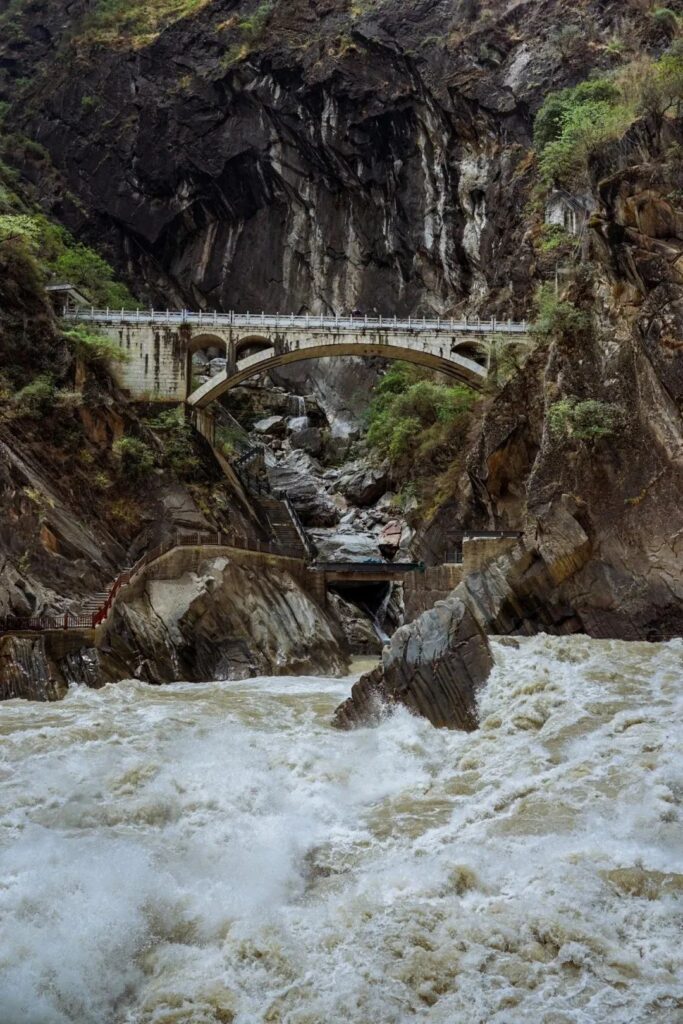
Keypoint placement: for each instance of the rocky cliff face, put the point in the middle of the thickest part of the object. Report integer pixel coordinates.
(306, 156)
(624, 490)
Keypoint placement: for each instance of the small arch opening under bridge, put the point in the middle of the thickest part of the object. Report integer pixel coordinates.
(206, 343)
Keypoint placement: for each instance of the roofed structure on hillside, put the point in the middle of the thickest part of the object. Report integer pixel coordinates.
(568, 211)
(67, 296)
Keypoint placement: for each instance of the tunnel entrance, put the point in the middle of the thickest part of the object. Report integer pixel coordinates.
(371, 600)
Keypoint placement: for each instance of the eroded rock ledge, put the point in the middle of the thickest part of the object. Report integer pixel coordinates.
(436, 665)
(193, 617)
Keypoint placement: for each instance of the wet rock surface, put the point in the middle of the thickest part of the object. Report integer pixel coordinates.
(227, 621)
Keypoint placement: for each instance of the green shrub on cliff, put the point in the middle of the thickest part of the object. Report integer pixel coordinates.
(94, 348)
(135, 458)
(587, 420)
(412, 420)
(574, 123)
(50, 248)
(37, 398)
(558, 318)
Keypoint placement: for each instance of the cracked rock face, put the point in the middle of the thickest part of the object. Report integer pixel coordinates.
(370, 160)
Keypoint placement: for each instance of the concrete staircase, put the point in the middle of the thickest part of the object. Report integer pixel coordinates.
(275, 515)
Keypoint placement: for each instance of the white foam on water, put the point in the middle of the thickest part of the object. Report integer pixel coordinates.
(199, 854)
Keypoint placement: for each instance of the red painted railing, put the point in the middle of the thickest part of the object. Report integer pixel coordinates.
(68, 620)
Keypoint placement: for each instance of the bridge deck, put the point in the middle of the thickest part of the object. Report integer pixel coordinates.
(269, 321)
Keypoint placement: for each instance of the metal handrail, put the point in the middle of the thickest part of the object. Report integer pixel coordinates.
(475, 534)
(309, 547)
(307, 322)
(369, 566)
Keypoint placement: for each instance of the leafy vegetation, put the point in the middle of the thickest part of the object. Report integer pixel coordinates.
(587, 420)
(37, 398)
(93, 348)
(553, 237)
(177, 440)
(574, 123)
(557, 318)
(415, 422)
(50, 250)
(135, 458)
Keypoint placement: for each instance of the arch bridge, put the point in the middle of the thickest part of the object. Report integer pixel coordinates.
(160, 345)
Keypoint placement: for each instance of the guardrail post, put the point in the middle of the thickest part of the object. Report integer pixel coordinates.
(380, 319)
(107, 312)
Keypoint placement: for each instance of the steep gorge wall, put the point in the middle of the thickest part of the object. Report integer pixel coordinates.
(371, 156)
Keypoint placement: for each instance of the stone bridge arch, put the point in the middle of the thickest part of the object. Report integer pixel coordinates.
(249, 344)
(160, 345)
(443, 355)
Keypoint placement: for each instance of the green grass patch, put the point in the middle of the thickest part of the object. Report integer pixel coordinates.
(125, 21)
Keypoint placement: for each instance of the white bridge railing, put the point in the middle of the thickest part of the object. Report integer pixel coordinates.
(283, 321)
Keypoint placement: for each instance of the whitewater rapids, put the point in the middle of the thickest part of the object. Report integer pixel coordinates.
(196, 854)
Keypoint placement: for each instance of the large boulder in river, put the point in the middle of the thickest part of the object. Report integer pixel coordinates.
(363, 484)
(435, 667)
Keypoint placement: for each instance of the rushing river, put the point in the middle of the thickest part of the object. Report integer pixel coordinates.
(212, 853)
